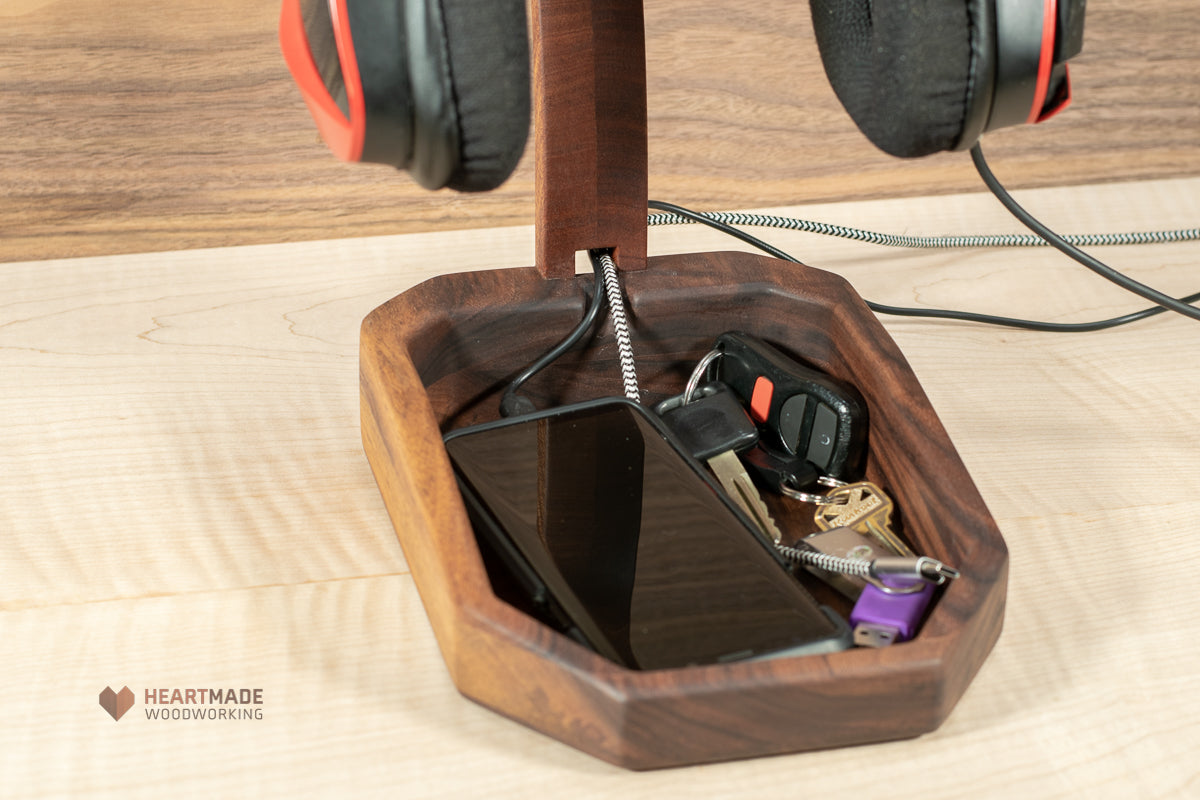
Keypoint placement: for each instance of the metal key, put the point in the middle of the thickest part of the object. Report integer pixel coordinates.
(714, 428)
(865, 508)
(732, 475)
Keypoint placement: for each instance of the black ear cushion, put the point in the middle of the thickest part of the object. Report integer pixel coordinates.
(488, 45)
(902, 68)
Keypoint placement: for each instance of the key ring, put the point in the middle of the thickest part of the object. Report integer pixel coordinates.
(787, 490)
(693, 381)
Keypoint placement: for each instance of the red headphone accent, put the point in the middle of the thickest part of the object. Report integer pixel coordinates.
(1064, 100)
(1045, 66)
(344, 136)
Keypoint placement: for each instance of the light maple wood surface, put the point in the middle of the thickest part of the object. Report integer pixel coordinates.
(184, 503)
(134, 125)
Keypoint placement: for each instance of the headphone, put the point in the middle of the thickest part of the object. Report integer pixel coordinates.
(440, 88)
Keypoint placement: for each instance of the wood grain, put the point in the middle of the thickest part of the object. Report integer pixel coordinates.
(184, 499)
(460, 337)
(124, 132)
(589, 122)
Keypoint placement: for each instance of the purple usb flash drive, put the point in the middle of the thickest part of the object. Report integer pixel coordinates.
(880, 619)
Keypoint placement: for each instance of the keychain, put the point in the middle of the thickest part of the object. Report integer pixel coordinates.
(869, 563)
(738, 431)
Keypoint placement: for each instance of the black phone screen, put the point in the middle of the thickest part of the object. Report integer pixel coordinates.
(596, 504)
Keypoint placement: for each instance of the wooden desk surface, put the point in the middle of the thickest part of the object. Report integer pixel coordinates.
(131, 126)
(184, 503)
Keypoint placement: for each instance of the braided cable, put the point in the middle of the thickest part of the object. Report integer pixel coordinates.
(894, 240)
(830, 563)
(616, 307)
(929, 313)
(1071, 251)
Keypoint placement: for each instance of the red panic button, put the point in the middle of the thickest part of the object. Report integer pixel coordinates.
(760, 398)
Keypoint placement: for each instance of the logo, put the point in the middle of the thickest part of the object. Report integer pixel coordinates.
(187, 704)
(116, 703)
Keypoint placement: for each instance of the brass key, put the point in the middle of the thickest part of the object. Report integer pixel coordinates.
(737, 484)
(864, 507)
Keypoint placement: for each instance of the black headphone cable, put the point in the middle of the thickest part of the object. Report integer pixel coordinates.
(1056, 241)
(717, 221)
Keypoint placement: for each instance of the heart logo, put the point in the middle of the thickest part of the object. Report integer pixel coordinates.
(116, 704)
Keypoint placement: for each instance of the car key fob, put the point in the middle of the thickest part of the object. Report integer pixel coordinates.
(800, 410)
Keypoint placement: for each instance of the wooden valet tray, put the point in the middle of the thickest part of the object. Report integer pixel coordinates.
(438, 356)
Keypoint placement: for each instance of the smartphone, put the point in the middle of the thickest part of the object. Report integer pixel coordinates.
(623, 542)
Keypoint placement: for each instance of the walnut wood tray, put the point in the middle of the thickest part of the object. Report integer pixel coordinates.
(438, 356)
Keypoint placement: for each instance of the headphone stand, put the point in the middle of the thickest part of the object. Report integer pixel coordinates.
(440, 354)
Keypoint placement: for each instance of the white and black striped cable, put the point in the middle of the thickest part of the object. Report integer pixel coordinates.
(894, 240)
(616, 307)
(1162, 302)
(855, 567)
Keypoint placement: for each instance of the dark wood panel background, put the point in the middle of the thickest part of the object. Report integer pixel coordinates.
(132, 125)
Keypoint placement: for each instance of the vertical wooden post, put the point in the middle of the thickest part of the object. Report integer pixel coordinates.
(589, 119)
